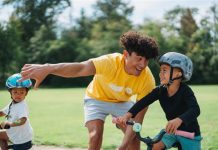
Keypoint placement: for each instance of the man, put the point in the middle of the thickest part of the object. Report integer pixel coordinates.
(117, 77)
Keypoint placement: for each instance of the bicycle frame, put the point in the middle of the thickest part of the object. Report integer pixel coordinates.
(151, 141)
(24, 146)
(147, 140)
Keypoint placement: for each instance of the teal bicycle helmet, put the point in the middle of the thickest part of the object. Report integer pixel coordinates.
(12, 82)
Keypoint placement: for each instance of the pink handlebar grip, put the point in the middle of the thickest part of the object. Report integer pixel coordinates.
(186, 134)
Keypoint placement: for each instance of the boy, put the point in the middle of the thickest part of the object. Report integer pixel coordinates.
(20, 132)
(177, 101)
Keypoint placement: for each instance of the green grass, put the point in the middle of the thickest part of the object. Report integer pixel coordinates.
(57, 118)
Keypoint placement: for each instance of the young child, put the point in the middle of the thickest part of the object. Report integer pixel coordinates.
(20, 132)
(177, 101)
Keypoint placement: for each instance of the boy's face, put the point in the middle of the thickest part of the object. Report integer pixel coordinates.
(18, 94)
(134, 64)
(165, 74)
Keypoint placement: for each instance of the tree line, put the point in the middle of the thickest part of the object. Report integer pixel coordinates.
(32, 36)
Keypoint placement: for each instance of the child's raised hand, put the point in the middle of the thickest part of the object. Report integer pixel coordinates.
(172, 125)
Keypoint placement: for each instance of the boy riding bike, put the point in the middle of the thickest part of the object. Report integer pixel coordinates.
(177, 101)
(17, 124)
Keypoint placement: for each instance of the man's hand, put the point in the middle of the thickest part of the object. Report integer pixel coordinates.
(172, 125)
(38, 72)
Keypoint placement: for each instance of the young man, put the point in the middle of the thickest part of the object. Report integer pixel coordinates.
(177, 101)
(117, 77)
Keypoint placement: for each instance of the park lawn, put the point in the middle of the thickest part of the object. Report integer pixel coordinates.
(57, 118)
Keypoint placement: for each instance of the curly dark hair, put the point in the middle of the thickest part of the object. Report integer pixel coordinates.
(145, 46)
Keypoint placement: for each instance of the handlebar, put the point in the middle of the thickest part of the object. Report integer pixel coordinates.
(147, 140)
(151, 141)
(6, 127)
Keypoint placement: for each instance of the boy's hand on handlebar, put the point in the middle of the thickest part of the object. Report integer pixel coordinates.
(123, 119)
(172, 125)
(5, 123)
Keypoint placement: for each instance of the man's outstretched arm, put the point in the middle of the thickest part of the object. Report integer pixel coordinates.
(39, 72)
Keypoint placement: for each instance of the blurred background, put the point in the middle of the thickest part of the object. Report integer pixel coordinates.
(53, 31)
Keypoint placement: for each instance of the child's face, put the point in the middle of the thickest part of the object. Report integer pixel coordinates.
(165, 74)
(18, 94)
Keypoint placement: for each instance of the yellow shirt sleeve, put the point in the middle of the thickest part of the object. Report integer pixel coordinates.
(106, 65)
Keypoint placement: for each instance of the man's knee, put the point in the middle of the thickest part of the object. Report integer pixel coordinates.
(95, 129)
(134, 144)
(135, 140)
(95, 135)
(3, 144)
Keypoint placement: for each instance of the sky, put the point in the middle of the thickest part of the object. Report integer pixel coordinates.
(153, 9)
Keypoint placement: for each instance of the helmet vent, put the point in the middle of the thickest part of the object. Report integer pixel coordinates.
(176, 62)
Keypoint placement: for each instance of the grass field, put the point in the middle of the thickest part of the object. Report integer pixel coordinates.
(57, 118)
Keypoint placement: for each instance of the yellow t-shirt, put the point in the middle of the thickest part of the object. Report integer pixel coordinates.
(112, 84)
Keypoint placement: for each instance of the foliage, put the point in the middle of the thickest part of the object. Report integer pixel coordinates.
(32, 36)
(110, 22)
(35, 13)
(9, 50)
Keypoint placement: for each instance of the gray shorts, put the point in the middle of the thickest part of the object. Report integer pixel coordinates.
(96, 109)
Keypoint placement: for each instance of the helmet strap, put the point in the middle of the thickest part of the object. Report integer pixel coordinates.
(13, 100)
(171, 79)
(171, 75)
(180, 77)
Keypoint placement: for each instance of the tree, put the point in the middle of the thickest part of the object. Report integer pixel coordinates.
(214, 25)
(39, 49)
(204, 50)
(181, 25)
(9, 51)
(82, 32)
(35, 13)
(111, 21)
(35, 17)
(188, 24)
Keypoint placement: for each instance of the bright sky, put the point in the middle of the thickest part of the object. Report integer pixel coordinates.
(154, 9)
